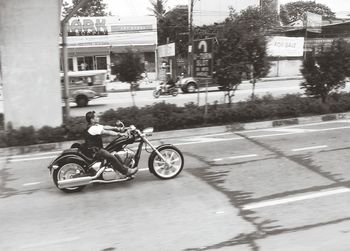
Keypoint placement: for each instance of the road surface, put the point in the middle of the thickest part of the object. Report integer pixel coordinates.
(284, 188)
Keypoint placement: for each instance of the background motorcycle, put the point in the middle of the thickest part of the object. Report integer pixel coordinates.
(74, 169)
(160, 90)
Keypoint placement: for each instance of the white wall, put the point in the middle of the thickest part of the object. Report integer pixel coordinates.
(30, 62)
(285, 68)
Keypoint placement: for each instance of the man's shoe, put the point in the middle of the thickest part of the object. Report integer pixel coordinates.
(131, 171)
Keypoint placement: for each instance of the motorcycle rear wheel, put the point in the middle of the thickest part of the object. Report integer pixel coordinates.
(159, 168)
(68, 171)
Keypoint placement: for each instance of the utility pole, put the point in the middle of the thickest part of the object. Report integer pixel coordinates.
(64, 23)
(190, 39)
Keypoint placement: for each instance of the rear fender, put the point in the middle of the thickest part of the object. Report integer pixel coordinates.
(64, 159)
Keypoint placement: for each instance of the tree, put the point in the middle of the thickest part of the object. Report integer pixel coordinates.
(173, 27)
(326, 72)
(254, 23)
(129, 69)
(242, 49)
(294, 11)
(91, 9)
(158, 9)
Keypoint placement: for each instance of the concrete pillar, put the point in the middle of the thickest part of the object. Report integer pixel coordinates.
(29, 62)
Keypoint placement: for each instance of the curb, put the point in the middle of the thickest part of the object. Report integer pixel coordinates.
(4, 152)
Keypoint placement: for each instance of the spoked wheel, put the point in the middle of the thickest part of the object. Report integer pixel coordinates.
(156, 93)
(69, 170)
(160, 168)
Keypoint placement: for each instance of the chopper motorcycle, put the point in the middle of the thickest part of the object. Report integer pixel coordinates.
(74, 169)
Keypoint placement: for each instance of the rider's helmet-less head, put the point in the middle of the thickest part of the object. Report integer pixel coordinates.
(89, 116)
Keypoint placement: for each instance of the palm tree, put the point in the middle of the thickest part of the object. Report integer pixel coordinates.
(158, 9)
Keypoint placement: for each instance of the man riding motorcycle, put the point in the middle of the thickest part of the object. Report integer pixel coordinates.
(94, 146)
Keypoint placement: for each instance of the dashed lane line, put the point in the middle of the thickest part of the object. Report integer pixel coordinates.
(236, 157)
(309, 148)
(31, 184)
(276, 202)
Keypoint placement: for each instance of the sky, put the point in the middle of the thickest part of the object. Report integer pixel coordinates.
(139, 7)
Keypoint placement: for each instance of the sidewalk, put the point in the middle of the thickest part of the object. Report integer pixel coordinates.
(5, 152)
(117, 86)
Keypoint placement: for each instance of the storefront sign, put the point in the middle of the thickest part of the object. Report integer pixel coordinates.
(87, 26)
(116, 28)
(279, 46)
(112, 31)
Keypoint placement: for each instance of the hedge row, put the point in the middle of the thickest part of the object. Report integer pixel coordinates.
(163, 117)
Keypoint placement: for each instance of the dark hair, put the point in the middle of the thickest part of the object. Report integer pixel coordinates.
(89, 116)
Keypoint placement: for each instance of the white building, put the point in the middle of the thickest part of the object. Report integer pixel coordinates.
(95, 42)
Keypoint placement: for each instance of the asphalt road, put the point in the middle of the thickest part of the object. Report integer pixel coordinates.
(275, 189)
(143, 98)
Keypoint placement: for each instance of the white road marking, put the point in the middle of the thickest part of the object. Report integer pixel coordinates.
(28, 159)
(47, 243)
(31, 184)
(308, 148)
(220, 212)
(236, 157)
(270, 203)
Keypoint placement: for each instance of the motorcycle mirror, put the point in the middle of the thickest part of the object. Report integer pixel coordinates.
(118, 123)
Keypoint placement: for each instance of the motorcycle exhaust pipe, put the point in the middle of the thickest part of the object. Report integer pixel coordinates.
(82, 181)
(74, 182)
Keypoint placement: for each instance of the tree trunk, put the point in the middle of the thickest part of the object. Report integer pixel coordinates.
(253, 89)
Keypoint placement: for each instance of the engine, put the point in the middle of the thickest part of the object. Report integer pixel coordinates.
(126, 156)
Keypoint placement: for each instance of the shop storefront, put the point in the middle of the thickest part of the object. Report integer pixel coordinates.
(95, 43)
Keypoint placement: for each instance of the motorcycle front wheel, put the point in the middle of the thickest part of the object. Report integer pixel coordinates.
(69, 170)
(173, 156)
(156, 93)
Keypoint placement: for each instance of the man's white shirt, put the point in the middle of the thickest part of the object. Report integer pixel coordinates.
(95, 129)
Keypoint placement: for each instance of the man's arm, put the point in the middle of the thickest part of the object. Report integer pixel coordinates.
(107, 127)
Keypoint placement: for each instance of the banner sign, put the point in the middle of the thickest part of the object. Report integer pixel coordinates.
(203, 58)
(313, 22)
(166, 50)
(111, 31)
(279, 46)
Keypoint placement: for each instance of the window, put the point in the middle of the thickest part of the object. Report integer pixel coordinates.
(101, 63)
(85, 63)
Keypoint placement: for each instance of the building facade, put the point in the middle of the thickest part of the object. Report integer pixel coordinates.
(94, 43)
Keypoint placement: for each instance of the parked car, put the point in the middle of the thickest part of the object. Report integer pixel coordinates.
(85, 86)
(191, 84)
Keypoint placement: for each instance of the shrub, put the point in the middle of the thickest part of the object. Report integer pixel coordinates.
(163, 116)
(49, 134)
(21, 137)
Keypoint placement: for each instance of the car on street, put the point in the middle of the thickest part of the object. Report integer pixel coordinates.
(192, 84)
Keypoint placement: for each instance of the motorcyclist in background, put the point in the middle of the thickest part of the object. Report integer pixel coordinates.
(169, 84)
(94, 145)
